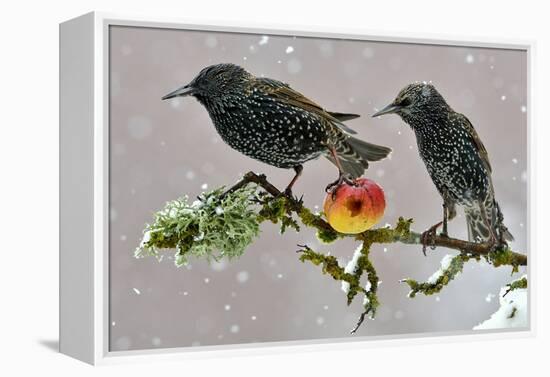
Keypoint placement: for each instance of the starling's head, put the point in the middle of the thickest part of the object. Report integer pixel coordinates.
(214, 82)
(416, 101)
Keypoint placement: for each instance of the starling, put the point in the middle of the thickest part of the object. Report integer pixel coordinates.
(456, 159)
(269, 121)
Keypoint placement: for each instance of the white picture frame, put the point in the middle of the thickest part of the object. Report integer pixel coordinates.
(84, 179)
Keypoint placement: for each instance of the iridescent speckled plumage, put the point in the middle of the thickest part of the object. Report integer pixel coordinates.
(267, 120)
(455, 158)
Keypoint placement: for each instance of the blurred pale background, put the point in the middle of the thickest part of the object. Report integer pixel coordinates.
(161, 150)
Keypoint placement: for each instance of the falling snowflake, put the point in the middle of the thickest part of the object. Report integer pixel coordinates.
(211, 41)
(156, 341)
(368, 53)
(242, 277)
(289, 49)
(490, 297)
(139, 127)
(294, 66)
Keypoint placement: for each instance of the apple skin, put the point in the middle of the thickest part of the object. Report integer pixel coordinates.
(355, 209)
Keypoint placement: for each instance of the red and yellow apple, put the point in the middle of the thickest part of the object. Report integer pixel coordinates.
(355, 208)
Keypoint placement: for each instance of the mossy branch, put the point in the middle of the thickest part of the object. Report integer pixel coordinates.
(521, 283)
(401, 233)
(450, 268)
(223, 223)
(350, 276)
(211, 227)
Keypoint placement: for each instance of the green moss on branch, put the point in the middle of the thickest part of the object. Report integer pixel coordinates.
(212, 227)
(521, 283)
(352, 278)
(440, 279)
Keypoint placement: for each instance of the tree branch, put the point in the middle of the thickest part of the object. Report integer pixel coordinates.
(382, 235)
(224, 223)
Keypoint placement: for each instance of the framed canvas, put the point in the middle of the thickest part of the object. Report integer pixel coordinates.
(242, 189)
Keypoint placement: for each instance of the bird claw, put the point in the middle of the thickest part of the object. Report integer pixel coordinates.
(303, 248)
(331, 187)
(427, 237)
(300, 200)
(496, 245)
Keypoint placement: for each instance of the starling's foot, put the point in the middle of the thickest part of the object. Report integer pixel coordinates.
(494, 243)
(341, 179)
(288, 192)
(427, 238)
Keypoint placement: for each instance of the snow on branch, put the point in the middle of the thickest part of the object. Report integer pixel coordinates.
(513, 310)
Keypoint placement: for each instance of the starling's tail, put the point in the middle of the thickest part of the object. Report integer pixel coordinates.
(368, 151)
(342, 117)
(354, 155)
(478, 229)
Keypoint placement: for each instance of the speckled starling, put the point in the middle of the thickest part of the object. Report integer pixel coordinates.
(269, 121)
(456, 159)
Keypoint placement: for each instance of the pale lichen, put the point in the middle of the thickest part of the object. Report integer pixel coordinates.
(212, 227)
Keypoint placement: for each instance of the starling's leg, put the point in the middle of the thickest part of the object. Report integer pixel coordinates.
(298, 169)
(447, 203)
(428, 235)
(341, 175)
(444, 232)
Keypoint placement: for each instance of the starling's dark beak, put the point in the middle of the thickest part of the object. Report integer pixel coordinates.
(390, 109)
(181, 92)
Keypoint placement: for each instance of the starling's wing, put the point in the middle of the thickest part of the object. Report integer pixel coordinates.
(288, 95)
(475, 138)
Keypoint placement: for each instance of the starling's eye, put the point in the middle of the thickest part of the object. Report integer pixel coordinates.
(405, 102)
